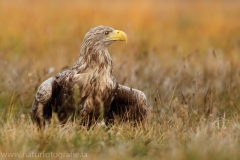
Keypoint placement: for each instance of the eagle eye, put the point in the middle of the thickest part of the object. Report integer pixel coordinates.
(106, 33)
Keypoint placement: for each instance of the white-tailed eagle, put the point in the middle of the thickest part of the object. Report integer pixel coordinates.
(88, 89)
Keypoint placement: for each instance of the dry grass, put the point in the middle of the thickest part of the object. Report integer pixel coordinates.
(183, 55)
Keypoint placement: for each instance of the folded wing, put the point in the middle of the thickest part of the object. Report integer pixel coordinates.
(41, 107)
(128, 104)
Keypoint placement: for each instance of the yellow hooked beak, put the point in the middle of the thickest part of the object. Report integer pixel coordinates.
(117, 35)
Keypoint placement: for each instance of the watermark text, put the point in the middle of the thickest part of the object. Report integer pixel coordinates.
(59, 155)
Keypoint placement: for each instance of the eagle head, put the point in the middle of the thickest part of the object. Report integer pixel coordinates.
(102, 36)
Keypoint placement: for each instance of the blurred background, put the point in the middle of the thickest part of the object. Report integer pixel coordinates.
(186, 50)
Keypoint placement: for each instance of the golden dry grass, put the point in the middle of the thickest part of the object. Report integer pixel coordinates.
(183, 55)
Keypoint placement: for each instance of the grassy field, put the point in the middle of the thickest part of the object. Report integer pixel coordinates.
(185, 56)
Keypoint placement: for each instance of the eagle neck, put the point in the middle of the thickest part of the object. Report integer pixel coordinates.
(95, 58)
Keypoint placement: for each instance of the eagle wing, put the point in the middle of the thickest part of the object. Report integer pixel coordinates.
(41, 107)
(128, 104)
(55, 94)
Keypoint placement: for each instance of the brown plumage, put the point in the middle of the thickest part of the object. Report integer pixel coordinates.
(88, 89)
